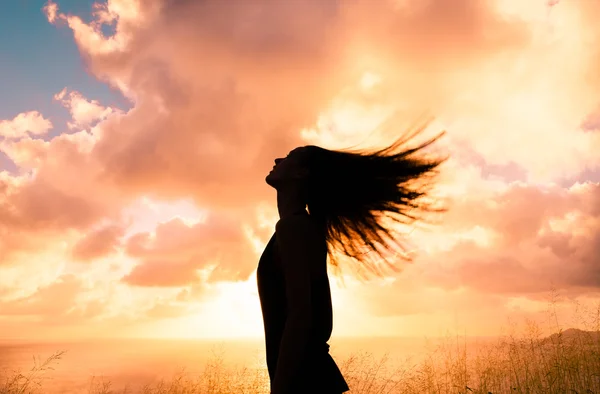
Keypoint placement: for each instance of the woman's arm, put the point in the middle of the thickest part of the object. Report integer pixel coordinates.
(298, 246)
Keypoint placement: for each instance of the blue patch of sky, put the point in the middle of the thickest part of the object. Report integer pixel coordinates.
(38, 60)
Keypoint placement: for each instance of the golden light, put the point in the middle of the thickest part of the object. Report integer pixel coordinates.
(369, 80)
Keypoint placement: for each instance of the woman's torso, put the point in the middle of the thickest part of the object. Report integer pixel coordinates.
(318, 365)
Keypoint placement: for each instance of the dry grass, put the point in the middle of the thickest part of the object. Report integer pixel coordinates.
(525, 362)
(31, 381)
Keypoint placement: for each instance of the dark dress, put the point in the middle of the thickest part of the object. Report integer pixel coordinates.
(296, 305)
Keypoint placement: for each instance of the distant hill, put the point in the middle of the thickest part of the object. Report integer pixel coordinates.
(571, 334)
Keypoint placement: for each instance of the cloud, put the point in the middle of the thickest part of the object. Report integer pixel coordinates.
(506, 254)
(71, 301)
(26, 153)
(26, 123)
(218, 89)
(163, 274)
(540, 240)
(436, 34)
(592, 121)
(51, 198)
(205, 132)
(176, 253)
(99, 243)
(216, 101)
(54, 299)
(212, 133)
(42, 204)
(83, 112)
(51, 11)
(57, 304)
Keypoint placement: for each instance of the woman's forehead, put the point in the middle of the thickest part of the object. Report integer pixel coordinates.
(301, 152)
(299, 149)
(295, 151)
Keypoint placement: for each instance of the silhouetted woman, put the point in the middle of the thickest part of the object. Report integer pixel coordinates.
(348, 196)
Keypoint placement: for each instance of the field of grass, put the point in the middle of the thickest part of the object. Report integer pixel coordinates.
(520, 362)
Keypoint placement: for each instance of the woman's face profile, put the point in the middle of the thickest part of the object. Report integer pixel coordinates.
(288, 169)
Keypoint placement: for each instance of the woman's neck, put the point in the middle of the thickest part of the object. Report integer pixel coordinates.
(290, 201)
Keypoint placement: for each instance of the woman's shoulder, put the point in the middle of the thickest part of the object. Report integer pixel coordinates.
(301, 224)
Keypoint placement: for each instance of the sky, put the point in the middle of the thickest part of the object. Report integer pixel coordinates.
(135, 137)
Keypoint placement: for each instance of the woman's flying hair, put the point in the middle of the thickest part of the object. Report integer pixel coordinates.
(362, 196)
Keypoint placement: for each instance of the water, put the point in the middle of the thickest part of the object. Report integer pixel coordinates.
(138, 362)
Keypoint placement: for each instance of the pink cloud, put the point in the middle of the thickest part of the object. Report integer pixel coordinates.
(26, 123)
(26, 153)
(592, 121)
(541, 240)
(51, 11)
(99, 243)
(556, 250)
(42, 204)
(52, 197)
(221, 88)
(212, 133)
(204, 133)
(83, 112)
(154, 273)
(53, 303)
(69, 303)
(176, 252)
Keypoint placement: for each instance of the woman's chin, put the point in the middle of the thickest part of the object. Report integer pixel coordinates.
(269, 178)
